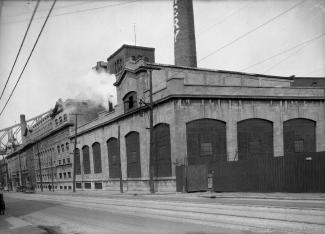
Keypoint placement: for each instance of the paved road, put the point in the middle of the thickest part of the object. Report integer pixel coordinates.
(158, 214)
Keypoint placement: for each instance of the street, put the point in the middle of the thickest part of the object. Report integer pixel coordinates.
(77, 213)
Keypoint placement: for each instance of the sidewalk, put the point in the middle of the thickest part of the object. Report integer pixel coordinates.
(208, 195)
(14, 225)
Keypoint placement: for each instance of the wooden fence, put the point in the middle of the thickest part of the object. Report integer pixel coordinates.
(304, 172)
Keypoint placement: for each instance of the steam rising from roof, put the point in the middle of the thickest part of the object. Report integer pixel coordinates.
(96, 87)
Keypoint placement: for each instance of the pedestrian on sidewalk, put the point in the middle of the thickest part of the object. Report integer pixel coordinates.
(2, 205)
(50, 187)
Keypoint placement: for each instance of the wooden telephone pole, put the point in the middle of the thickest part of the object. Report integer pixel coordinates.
(39, 165)
(75, 152)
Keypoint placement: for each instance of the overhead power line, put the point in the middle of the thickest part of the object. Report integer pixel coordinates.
(223, 19)
(312, 71)
(30, 55)
(251, 31)
(56, 8)
(20, 47)
(284, 59)
(79, 11)
(284, 51)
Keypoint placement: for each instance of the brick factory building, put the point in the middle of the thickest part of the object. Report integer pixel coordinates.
(45, 157)
(225, 130)
(201, 116)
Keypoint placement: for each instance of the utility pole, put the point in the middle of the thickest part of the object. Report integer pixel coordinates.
(119, 150)
(52, 171)
(151, 166)
(20, 171)
(2, 179)
(7, 170)
(39, 166)
(75, 152)
(151, 142)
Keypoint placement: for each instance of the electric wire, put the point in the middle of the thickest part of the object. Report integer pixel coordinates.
(312, 71)
(20, 47)
(284, 51)
(284, 59)
(30, 55)
(223, 19)
(251, 31)
(56, 8)
(78, 11)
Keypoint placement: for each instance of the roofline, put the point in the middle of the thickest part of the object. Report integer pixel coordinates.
(222, 71)
(129, 46)
(187, 96)
(31, 142)
(309, 77)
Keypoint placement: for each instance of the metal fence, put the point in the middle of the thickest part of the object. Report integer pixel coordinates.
(303, 172)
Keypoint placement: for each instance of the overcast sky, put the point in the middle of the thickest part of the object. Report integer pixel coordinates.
(80, 33)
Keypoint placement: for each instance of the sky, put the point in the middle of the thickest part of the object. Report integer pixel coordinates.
(80, 33)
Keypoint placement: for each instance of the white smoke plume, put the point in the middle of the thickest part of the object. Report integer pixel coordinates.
(95, 86)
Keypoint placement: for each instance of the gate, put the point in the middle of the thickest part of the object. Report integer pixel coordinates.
(302, 172)
(197, 178)
(180, 178)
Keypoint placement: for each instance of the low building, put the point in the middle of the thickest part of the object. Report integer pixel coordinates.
(44, 160)
(200, 116)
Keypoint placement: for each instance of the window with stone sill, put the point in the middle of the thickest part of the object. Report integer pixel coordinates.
(130, 101)
(205, 148)
(299, 146)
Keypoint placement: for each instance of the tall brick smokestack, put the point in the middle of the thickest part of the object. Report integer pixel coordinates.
(23, 128)
(184, 34)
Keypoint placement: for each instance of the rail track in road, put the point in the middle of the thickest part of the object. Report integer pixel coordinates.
(243, 217)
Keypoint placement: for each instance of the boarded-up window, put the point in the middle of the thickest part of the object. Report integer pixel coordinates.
(206, 141)
(255, 138)
(299, 146)
(133, 155)
(98, 185)
(130, 101)
(86, 159)
(162, 157)
(299, 135)
(113, 158)
(87, 185)
(97, 159)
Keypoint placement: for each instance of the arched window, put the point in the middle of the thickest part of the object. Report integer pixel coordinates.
(67, 145)
(206, 141)
(56, 122)
(133, 155)
(58, 148)
(65, 117)
(299, 136)
(255, 138)
(60, 119)
(62, 148)
(97, 159)
(78, 167)
(130, 101)
(114, 160)
(86, 159)
(162, 166)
